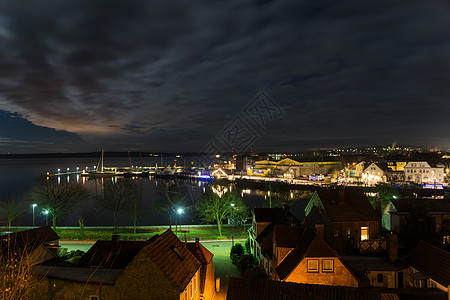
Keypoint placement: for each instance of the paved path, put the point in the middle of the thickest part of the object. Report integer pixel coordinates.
(222, 264)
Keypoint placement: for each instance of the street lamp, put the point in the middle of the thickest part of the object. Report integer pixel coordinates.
(45, 212)
(34, 205)
(179, 212)
(232, 220)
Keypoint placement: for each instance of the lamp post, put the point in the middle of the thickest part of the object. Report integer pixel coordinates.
(33, 205)
(45, 212)
(179, 212)
(232, 221)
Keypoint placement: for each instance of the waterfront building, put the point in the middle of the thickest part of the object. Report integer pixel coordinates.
(424, 172)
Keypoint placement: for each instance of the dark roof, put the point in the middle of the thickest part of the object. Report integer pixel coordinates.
(89, 275)
(111, 254)
(308, 245)
(432, 261)
(281, 216)
(362, 264)
(429, 205)
(265, 214)
(204, 256)
(243, 289)
(286, 236)
(30, 239)
(38, 236)
(347, 205)
(173, 258)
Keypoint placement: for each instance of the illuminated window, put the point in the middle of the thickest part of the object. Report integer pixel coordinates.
(347, 232)
(364, 233)
(313, 265)
(446, 239)
(336, 232)
(327, 265)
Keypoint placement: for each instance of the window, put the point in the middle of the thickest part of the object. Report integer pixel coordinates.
(327, 265)
(347, 232)
(446, 239)
(313, 265)
(191, 291)
(380, 278)
(364, 233)
(94, 297)
(336, 232)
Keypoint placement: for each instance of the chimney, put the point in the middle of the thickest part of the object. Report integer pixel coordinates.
(115, 239)
(393, 247)
(320, 230)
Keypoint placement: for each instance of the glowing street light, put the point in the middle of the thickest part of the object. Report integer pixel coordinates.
(33, 206)
(45, 212)
(179, 212)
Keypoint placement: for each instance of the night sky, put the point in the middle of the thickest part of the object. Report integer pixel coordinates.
(170, 75)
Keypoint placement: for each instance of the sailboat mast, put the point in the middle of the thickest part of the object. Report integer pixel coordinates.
(102, 161)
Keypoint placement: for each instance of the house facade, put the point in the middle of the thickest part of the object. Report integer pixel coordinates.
(349, 219)
(422, 172)
(374, 174)
(312, 261)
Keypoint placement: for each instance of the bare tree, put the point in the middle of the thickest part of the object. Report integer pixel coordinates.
(116, 195)
(216, 207)
(134, 206)
(11, 209)
(172, 195)
(58, 197)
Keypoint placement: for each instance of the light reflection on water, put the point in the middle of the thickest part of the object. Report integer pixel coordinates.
(17, 176)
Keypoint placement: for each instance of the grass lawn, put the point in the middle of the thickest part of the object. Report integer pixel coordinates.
(93, 234)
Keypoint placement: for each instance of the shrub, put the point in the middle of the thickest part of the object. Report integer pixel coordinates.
(247, 246)
(246, 262)
(236, 252)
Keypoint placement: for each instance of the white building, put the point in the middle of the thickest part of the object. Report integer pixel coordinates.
(422, 172)
(373, 174)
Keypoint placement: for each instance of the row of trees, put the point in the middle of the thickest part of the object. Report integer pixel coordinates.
(61, 197)
(213, 205)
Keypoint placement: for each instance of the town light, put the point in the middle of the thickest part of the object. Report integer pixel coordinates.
(180, 211)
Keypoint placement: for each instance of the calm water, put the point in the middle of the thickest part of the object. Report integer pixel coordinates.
(18, 176)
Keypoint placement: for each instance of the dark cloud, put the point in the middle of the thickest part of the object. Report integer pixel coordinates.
(170, 75)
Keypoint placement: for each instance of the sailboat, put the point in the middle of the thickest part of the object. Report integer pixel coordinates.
(99, 171)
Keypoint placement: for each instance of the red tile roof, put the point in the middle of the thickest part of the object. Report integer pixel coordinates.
(174, 258)
(347, 205)
(432, 261)
(244, 289)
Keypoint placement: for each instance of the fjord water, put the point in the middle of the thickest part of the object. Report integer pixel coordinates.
(18, 176)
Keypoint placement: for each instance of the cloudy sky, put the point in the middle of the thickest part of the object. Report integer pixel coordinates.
(171, 75)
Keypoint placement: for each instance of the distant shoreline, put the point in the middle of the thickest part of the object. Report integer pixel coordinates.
(96, 155)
